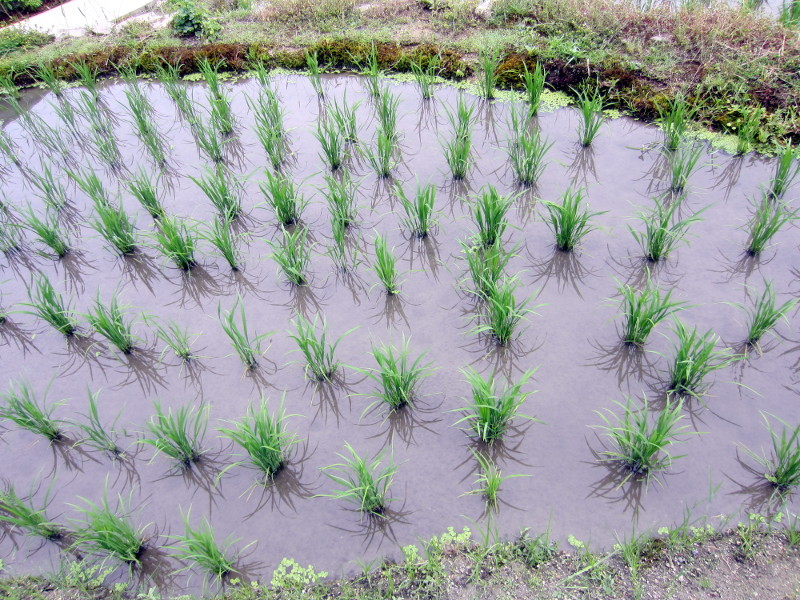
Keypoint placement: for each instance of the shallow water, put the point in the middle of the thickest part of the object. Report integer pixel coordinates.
(573, 341)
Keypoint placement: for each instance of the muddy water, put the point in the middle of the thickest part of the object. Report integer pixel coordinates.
(573, 341)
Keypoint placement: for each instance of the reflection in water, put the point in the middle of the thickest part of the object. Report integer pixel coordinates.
(566, 268)
(629, 363)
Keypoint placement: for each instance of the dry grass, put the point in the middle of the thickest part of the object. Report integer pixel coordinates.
(306, 10)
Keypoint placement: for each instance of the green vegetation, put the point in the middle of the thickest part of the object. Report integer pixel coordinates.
(94, 433)
(283, 198)
(317, 352)
(49, 232)
(486, 266)
(590, 110)
(364, 482)
(176, 241)
(397, 375)
(420, 217)
(178, 435)
(247, 347)
(765, 313)
(569, 221)
(489, 480)
(221, 235)
(223, 194)
(696, 357)
(786, 170)
(341, 198)
(174, 338)
(663, 231)
(770, 215)
(293, 254)
(381, 157)
(502, 312)
(534, 86)
(682, 162)
(109, 320)
(488, 61)
(385, 266)
(674, 119)
(50, 306)
(331, 138)
(116, 226)
(489, 215)
(314, 72)
(198, 545)
(23, 514)
(526, 149)
(458, 148)
(425, 76)
(143, 188)
(783, 465)
(21, 406)
(644, 310)
(106, 531)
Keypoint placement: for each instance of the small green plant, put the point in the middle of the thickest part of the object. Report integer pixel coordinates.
(381, 157)
(109, 321)
(765, 313)
(221, 117)
(90, 184)
(317, 352)
(198, 545)
(220, 234)
(502, 312)
(748, 130)
(489, 480)
(526, 150)
(51, 191)
(489, 215)
(425, 75)
(87, 76)
(789, 14)
(223, 194)
(385, 266)
(534, 86)
(176, 241)
(783, 465)
(386, 110)
(569, 221)
(269, 124)
(94, 434)
(46, 75)
(49, 232)
(343, 117)
(397, 375)
(247, 347)
(207, 139)
(644, 310)
(662, 230)
(770, 215)
(488, 61)
(21, 407)
(371, 69)
(174, 338)
(330, 136)
(193, 19)
(458, 148)
(420, 217)
(486, 266)
(674, 117)
(49, 305)
(338, 250)
(363, 481)
(293, 254)
(143, 118)
(26, 516)
(291, 576)
(116, 226)
(169, 75)
(110, 531)
(283, 198)
(696, 357)
(590, 110)
(787, 168)
(143, 188)
(178, 435)
(682, 162)
(341, 197)
(314, 72)
(492, 410)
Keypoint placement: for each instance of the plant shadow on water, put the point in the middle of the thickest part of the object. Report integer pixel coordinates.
(286, 488)
(376, 530)
(402, 422)
(582, 166)
(616, 485)
(727, 177)
(630, 363)
(636, 270)
(194, 286)
(565, 268)
(201, 474)
(742, 266)
(140, 269)
(305, 301)
(74, 265)
(425, 251)
(391, 309)
(327, 395)
(20, 338)
(759, 494)
(142, 365)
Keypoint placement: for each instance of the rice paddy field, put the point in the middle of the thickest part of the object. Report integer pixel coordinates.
(557, 320)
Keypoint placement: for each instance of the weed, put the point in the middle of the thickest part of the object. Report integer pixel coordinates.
(569, 221)
(94, 433)
(489, 215)
(317, 352)
(178, 435)
(50, 306)
(534, 86)
(786, 169)
(49, 232)
(283, 198)
(536, 550)
(425, 76)
(142, 187)
(682, 162)
(590, 109)
(488, 61)
(247, 347)
(764, 315)
(109, 531)
(110, 322)
(644, 310)
(420, 217)
(197, 545)
(398, 375)
(770, 215)
(674, 119)
(662, 231)
(116, 226)
(176, 241)
(783, 466)
(293, 255)
(696, 356)
(25, 515)
(363, 481)
(385, 266)
(21, 407)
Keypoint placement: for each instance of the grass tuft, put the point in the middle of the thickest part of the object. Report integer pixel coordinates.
(247, 347)
(783, 465)
(176, 241)
(116, 226)
(458, 149)
(47, 304)
(662, 230)
(696, 357)
(770, 215)
(590, 110)
(397, 375)
(385, 266)
(534, 86)
(674, 118)
(283, 198)
(488, 61)
(420, 217)
(317, 352)
(16, 512)
(765, 313)
(109, 320)
(569, 221)
(644, 310)
(143, 188)
(103, 530)
(94, 433)
(293, 254)
(178, 435)
(21, 407)
(363, 481)
(489, 215)
(682, 162)
(787, 168)
(199, 546)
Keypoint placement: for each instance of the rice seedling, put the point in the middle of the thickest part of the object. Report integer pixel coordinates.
(364, 482)
(49, 305)
(641, 442)
(398, 375)
(372, 71)
(282, 196)
(293, 255)
(177, 435)
(221, 116)
(87, 76)
(224, 195)
(485, 265)
(199, 546)
(696, 357)
(783, 465)
(9, 236)
(260, 72)
(314, 346)
(425, 76)
(644, 310)
(590, 110)
(246, 345)
(385, 266)
(765, 313)
(116, 226)
(68, 116)
(48, 188)
(143, 188)
(8, 148)
(492, 410)
(382, 157)
(49, 232)
(489, 215)
(502, 312)
(386, 111)
(332, 143)
(489, 480)
(662, 231)
(21, 406)
(142, 112)
(263, 436)
(170, 77)
(488, 61)
(111, 531)
(526, 152)
(770, 215)
(534, 86)
(420, 217)
(682, 162)
(457, 150)
(96, 435)
(569, 221)
(175, 338)
(220, 234)
(208, 141)
(48, 78)
(338, 250)
(341, 197)
(674, 117)
(748, 130)
(314, 72)
(90, 184)
(269, 118)
(26, 516)
(106, 145)
(176, 241)
(343, 118)
(787, 167)
(110, 321)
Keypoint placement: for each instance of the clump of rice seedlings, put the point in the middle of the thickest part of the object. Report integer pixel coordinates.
(109, 320)
(52, 193)
(770, 215)
(425, 76)
(786, 169)
(283, 198)
(765, 313)
(116, 226)
(502, 312)
(488, 61)
(26, 516)
(106, 145)
(385, 266)
(644, 310)
(263, 436)
(372, 72)
(293, 254)
(260, 71)
(90, 184)
(364, 482)
(314, 346)
(177, 435)
(87, 76)
(143, 188)
(47, 77)
(386, 111)
(175, 338)
(341, 198)
(111, 531)
(21, 406)
(220, 234)
(674, 118)
(207, 140)
(93, 433)
(534, 86)
(218, 99)
(170, 77)
(682, 162)
(569, 221)
(222, 193)
(748, 130)
(9, 236)
(696, 357)
(68, 115)
(457, 150)
(49, 232)
(398, 375)
(246, 346)
(486, 266)
(493, 410)
(199, 546)
(420, 217)
(142, 112)
(314, 72)
(526, 151)
(269, 124)
(641, 441)
(47, 304)
(382, 157)
(489, 480)
(7, 148)
(783, 465)
(176, 241)
(662, 231)
(332, 142)
(590, 110)
(489, 215)
(343, 118)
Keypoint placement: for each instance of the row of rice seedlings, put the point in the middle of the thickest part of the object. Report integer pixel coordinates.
(787, 168)
(218, 99)
(489, 480)
(343, 118)
(488, 61)
(425, 76)
(95, 434)
(663, 231)
(283, 198)
(143, 117)
(385, 266)
(234, 323)
(770, 215)
(110, 321)
(765, 313)
(534, 86)
(48, 188)
(116, 226)
(319, 357)
(486, 266)
(207, 138)
(110, 531)
(681, 163)
(382, 157)
(90, 184)
(198, 545)
(526, 149)
(25, 515)
(570, 221)
(502, 312)
(674, 117)
(590, 110)
(49, 232)
(221, 235)
(67, 114)
(363, 481)
(223, 195)
(458, 149)
(420, 217)
(49, 305)
(269, 124)
(341, 198)
(47, 77)
(293, 254)
(489, 216)
(21, 406)
(143, 188)
(644, 310)
(176, 241)
(177, 435)
(747, 130)
(398, 375)
(696, 356)
(315, 72)
(170, 78)
(332, 142)
(782, 467)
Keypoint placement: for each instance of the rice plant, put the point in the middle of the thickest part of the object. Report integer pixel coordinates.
(372, 72)
(282, 196)
(502, 312)
(386, 106)
(48, 188)
(116, 226)
(21, 407)
(569, 221)
(662, 230)
(590, 110)
(269, 124)
(96, 435)
(425, 76)
(363, 481)
(208, 141)
(293, 254)
(221, 235)
(8, 148)
(489, 480)
(674, 119)
(493, 410)
(49, 305)
(488, 61)
(385, 266)
(174, 338)
(8, 86)
(770, 215)
(341, 197)
(176, 241)
(87, 76)
(169, 76)
(748, 130)
(143, 188)
(640, 441)
(783, 465)
(534, 86)
(381, 157)
(110, 321)
(111, 531)
(765, 313)
(420, 217)
(26, 516)
(90, 184)
(489, 215)
(682, 162)
(218, 99)
(49, 232)
(222, 193)
(526, 152)
(696, 357)
(48, 78)
(486, 266)
(343, 118)
(644, 310)
(177, 435)
(263, 436)
(246, 345)
(787, 167)
(198, 546)
(142, 112)
(318, 353)
(314, 72)
(398, 375)
(338, 250)
(458, 149)
(332, 143)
